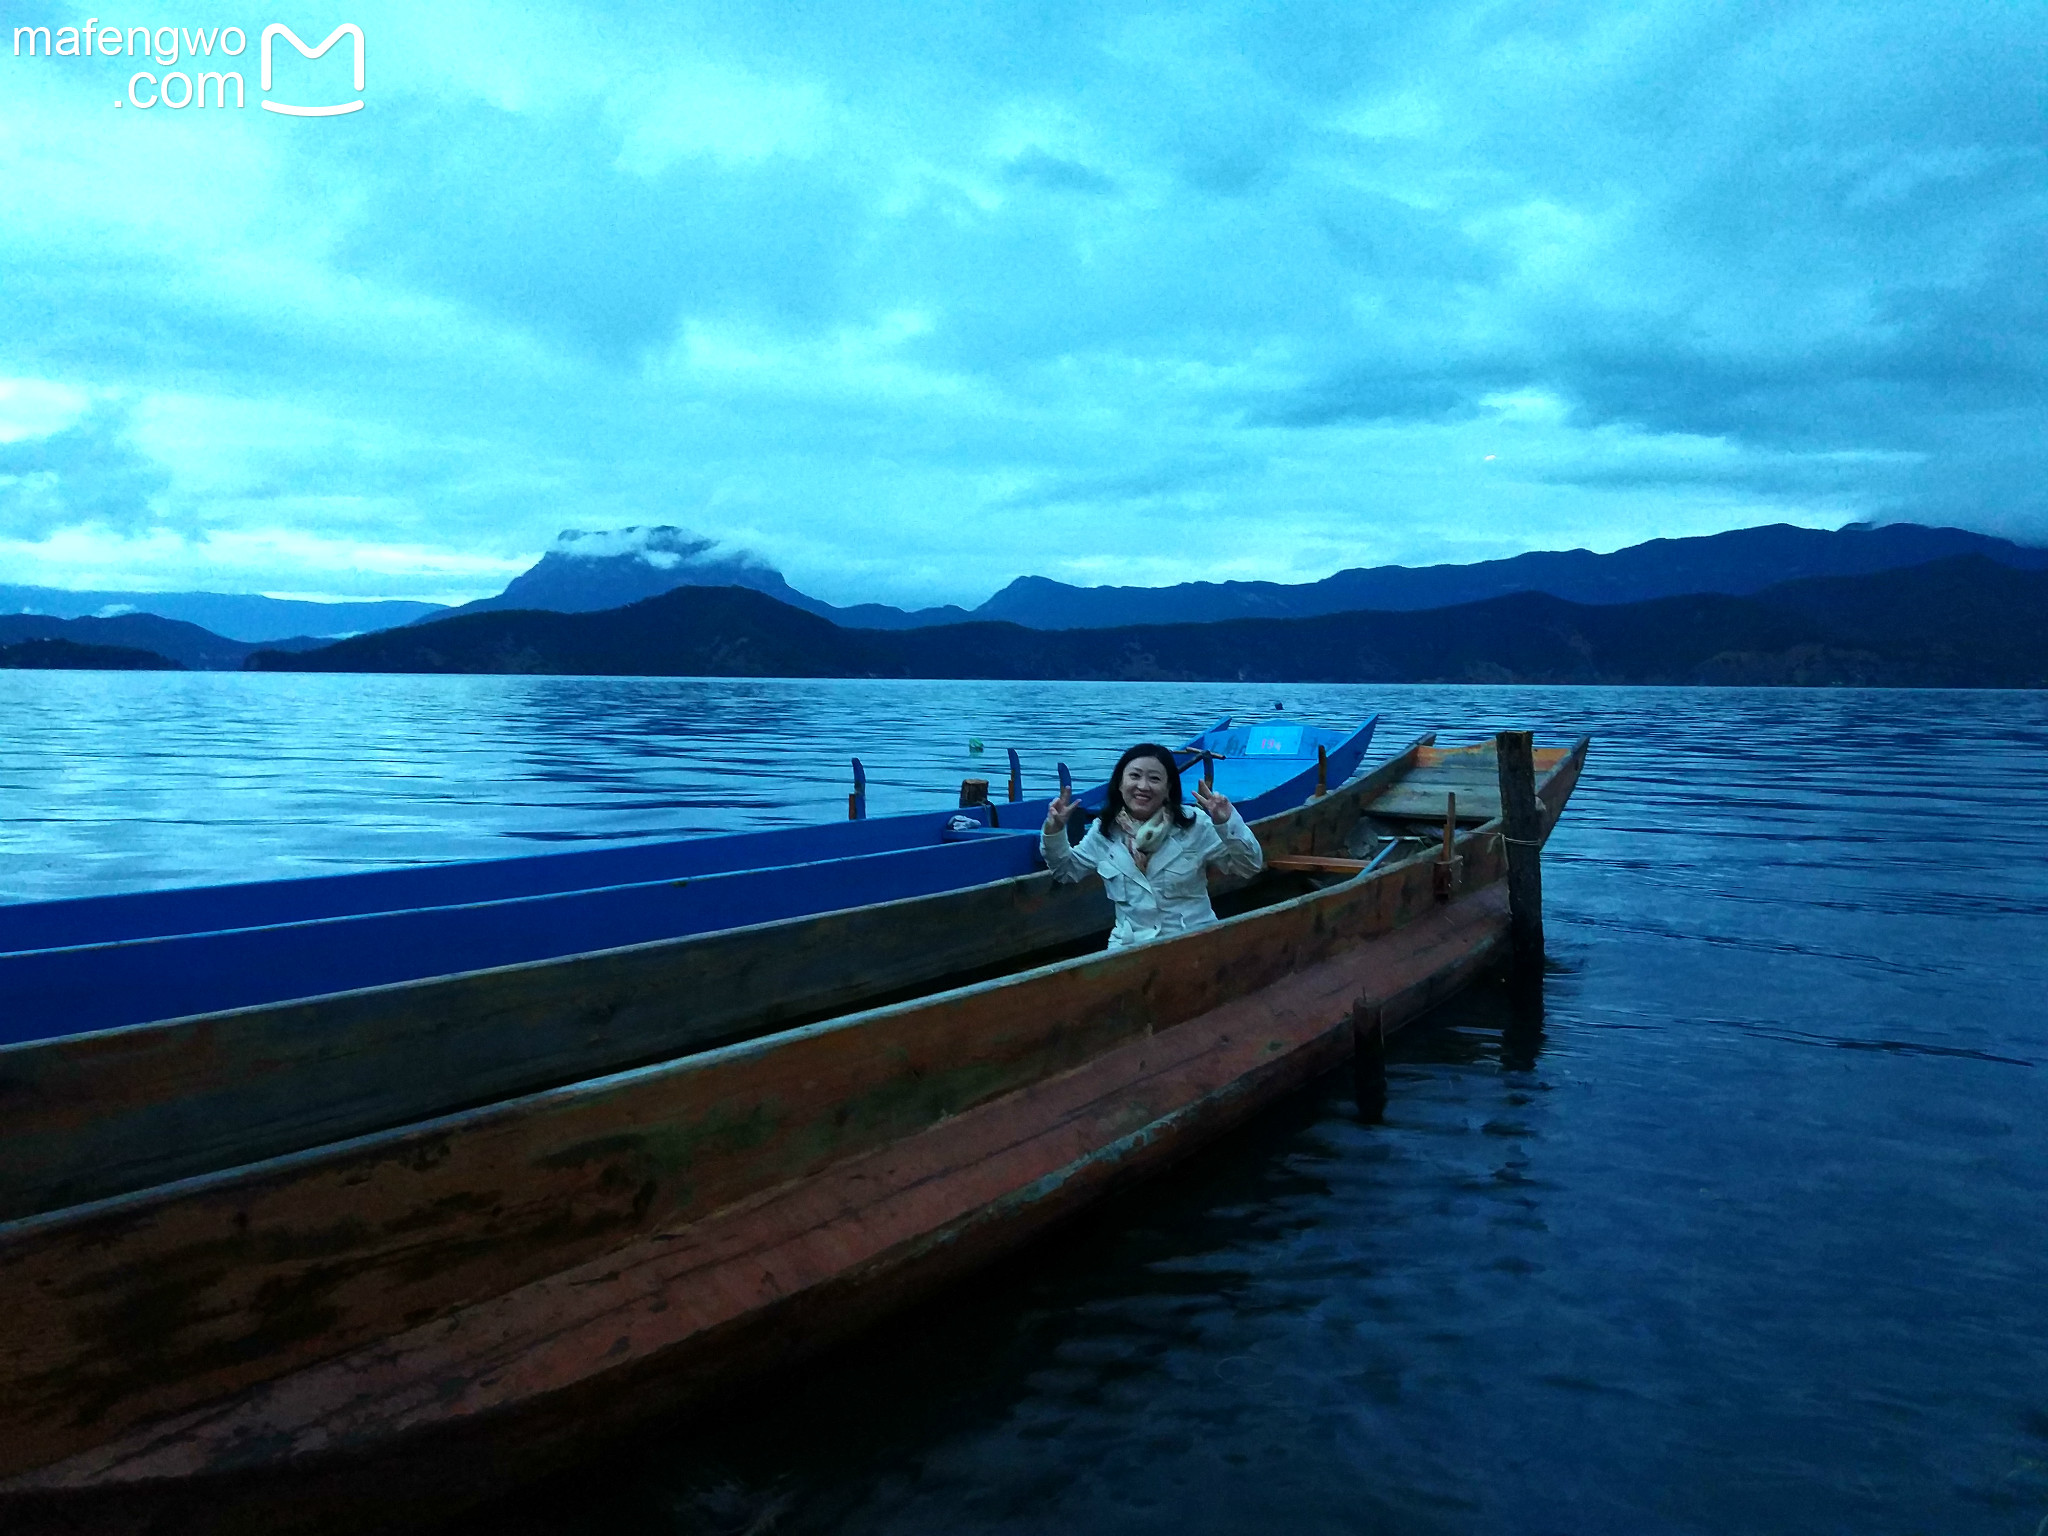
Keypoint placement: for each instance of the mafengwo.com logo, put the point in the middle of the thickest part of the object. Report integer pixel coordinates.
(166, 48)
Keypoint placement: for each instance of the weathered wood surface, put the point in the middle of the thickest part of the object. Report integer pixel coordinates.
(1316, 864)
(95, 1116)
(1323, 826)
(686, 1309)
(1470, 773)
(1522, 829)
(152, 1302)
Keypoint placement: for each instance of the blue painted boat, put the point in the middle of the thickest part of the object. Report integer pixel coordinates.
(264, 903)
(134, 959)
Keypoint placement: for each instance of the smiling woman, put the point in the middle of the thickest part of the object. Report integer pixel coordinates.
(1153, 856)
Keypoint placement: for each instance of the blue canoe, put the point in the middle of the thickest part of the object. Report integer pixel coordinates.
(107, 962)
(266, 903)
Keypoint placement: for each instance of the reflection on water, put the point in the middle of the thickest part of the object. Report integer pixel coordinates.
(1742, 1227)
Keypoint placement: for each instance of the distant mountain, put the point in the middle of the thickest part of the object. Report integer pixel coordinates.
(1974, 623)
(236, 615)
(588, 572)
(1744, 561)
(70, 656)
(179, 643)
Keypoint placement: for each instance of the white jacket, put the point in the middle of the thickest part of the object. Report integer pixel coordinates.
(1171, 895)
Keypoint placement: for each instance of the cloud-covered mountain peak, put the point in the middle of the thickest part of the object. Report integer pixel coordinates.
(585, 570)
(662, 546)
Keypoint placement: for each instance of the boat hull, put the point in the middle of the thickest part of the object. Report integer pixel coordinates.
(758, 1288)
(92, 1116)
(729, 1211)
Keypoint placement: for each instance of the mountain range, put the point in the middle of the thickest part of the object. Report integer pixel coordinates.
(587, 572)
(1739, 562)
(245, 616)
(1962, 622)
(176, 642)
(595, 574)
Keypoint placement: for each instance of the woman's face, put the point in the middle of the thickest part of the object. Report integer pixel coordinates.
(1143, 786)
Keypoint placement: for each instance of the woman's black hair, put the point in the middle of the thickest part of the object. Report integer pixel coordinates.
(1113, 805)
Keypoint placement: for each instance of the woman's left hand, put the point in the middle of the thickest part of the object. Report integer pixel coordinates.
(1218, 806)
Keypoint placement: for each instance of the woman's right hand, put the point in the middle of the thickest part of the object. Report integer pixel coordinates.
(1057, 813)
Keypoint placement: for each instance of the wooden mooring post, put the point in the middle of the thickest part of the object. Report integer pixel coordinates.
(1522, 829)
(1369, 1061)
(1449, 863)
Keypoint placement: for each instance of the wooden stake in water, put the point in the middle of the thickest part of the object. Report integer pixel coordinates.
(1369, 1061)
(1522, 827)
(1448, 861)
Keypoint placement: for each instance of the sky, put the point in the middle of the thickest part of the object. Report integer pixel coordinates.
(912, 300)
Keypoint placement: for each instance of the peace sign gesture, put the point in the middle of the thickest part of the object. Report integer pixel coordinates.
(1062, 807)
(1218, 806)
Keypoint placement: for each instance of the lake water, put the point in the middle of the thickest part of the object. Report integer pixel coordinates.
(1747, 1230)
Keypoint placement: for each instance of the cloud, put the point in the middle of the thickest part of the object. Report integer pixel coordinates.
(852, 284)
(1035, 167)
(88, 472)
(664, 548)
(1183, 482)
(530, 218)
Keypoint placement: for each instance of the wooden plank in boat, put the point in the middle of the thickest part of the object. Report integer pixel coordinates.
(1427, 800)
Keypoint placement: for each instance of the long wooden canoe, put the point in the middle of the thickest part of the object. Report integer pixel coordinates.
(89, 1115)
(368, 1331)
(517, 911)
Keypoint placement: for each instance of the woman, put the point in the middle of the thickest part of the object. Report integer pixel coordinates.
(1153, 856)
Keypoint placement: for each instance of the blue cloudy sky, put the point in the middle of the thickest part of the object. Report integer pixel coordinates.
(914, 299)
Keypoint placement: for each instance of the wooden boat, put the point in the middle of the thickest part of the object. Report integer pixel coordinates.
(97, 1113)
(369, 1331)
(541, 911)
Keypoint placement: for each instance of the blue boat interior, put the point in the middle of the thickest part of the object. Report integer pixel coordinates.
(110, 962)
